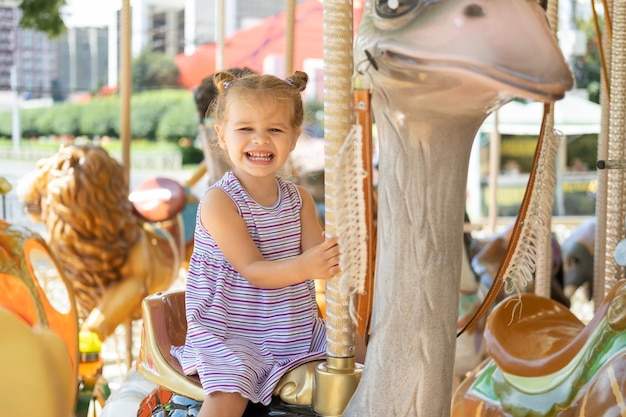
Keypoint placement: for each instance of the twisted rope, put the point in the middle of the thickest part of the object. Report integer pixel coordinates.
(604, 42)
(338, 120)
(617, 115)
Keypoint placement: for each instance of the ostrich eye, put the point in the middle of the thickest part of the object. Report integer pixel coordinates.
(395, 8)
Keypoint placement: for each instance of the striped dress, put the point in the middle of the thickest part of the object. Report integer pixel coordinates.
(241, 338)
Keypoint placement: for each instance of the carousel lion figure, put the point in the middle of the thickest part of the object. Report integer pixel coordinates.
(112, 256)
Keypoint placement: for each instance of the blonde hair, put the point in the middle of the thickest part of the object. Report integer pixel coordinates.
(228, 85)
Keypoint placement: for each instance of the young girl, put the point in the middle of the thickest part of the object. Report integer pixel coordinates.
(250, 298)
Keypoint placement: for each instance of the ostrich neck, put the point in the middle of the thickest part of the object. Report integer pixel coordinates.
(422, 183)
(423, 173)
(422, 188)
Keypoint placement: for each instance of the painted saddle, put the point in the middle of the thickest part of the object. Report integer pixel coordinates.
(546, 362)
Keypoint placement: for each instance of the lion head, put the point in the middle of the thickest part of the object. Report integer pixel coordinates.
(81, 196)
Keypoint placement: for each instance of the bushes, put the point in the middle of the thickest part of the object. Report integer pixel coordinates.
(101, 117)
(166, 114)
(28, 123)
(6, 123)
(179, 122)
(149, 109)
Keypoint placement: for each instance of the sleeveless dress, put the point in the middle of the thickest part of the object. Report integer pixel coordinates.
(241, 338)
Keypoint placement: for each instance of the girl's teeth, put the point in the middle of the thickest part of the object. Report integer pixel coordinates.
(259, 157)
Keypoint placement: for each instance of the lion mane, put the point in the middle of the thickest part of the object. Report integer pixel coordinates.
(81, 195)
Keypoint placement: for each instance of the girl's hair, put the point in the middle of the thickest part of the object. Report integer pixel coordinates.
(264, 85)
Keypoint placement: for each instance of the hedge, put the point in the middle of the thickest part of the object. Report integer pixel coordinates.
(155, 115)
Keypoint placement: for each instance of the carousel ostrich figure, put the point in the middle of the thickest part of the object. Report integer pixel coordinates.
(437, 70)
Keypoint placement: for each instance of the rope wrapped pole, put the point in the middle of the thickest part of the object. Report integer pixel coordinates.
(543, 274)
(616, 148)
(336, 380)
(338, 120)
(603, 154)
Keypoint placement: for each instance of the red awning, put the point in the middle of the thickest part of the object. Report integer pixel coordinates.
(249, 47)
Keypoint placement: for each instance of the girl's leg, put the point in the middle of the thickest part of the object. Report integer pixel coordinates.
(223, 404)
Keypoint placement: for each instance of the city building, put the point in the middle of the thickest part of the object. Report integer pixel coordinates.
(156, 25)
(202, 21)
(180, 26)
(82, 64)
(27, 58)
(45, 69)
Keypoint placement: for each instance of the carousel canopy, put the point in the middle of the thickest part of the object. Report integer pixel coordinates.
(573, 115)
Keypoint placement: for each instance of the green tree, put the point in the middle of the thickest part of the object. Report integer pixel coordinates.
(153, 70)
(43, 16)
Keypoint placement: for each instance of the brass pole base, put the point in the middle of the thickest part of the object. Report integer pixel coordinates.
(335, 382)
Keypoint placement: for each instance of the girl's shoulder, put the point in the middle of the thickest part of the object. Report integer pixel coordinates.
(229, 185)
(290, 190)
(227, 182)
(222, 194)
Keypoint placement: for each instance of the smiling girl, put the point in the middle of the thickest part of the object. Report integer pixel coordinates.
(250, 296)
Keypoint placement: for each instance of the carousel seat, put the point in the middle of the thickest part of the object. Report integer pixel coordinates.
(165, 325)
(538, 336)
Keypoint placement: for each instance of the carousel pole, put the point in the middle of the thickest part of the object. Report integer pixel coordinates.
(220, 41)
(494, 173)
(125, 130)
(604, 44)
(125, 85)
(337, 378)
(290, 25)
(543, 273)
(616, 149)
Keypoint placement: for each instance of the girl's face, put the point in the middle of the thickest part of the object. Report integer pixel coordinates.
(258, 135)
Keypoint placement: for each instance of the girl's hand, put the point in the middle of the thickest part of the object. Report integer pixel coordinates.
(322, 261)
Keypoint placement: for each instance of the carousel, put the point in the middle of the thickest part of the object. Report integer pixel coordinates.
(405, 304)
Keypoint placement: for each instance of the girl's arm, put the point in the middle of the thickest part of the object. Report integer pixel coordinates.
(219, 216)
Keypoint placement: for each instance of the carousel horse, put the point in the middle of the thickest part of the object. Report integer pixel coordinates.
(545, 362)
(578, 250)
(437, 70)
(39, 345)
(491, 254)
(115, 248)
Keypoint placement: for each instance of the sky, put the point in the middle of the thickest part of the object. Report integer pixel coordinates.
(89, 12)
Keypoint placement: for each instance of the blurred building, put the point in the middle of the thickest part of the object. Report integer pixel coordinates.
(156, 25)
(201, 20)
(29, 55)
(179, 26)
(82, 64)
(48, 68)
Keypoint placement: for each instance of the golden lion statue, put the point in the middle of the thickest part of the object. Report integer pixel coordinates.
(112, 256)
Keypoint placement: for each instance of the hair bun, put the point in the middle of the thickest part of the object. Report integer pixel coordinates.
(222, 80)
(298, 80)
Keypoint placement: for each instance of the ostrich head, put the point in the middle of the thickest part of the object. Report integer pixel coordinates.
(484, 52)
